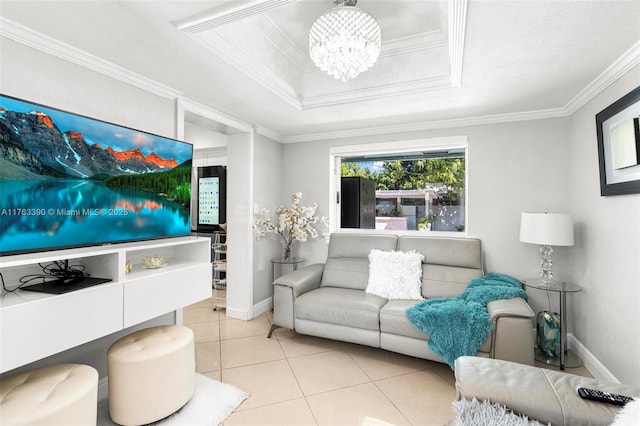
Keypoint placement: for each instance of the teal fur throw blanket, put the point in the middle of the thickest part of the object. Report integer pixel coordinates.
(459, 325)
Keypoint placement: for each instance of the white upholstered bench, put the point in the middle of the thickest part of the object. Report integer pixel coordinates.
(151, 374)
(65, 394)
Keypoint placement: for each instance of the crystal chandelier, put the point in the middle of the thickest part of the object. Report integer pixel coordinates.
(344, 41)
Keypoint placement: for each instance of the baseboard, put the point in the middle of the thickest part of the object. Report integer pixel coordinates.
(256, 310)
(237, 314)
(262, 307)
(590, 362)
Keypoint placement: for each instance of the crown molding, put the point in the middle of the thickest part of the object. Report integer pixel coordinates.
(457, 29)
(284, 45)
(223, 16)
(621, 66)
(269, 134)
(271, 81)
(430, 125)
(28, 37)
(377, 92)
(414, 43)
(39, 41)
(183, 104)
(215, 41)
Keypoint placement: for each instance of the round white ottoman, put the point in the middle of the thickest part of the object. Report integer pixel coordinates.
(65, 394)
(151, 374)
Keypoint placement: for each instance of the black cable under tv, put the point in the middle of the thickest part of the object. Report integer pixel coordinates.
(59, 277)
(65, 285)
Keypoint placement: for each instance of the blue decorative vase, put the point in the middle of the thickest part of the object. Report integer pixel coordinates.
(548, 333)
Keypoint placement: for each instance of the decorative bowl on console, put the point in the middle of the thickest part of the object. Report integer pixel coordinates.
(153, 262)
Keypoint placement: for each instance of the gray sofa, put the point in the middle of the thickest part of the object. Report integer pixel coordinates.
(329, 300)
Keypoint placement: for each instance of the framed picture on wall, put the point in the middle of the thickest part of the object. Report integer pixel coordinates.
(618, 131)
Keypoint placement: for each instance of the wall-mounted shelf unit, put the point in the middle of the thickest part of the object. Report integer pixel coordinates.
(36, 325)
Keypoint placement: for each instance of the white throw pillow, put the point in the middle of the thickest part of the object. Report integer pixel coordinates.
(629, 415)
(395, 274)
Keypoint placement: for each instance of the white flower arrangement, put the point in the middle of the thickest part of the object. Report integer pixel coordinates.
(295, 223)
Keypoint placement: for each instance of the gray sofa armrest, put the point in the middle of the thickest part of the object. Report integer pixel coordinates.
(512, 337)
(286, 290)
(516, 307)
(544, 395)
(302, 280)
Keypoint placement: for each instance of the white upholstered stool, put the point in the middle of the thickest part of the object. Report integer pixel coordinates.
(151, 374)
(65, 394)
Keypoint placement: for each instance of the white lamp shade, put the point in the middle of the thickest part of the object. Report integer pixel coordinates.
(551, 229)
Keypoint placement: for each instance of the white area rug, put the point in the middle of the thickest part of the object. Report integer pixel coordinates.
(629, 415)
(473, 413)
(211, 403)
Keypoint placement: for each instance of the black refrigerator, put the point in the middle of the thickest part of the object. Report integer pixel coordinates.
(358, 203)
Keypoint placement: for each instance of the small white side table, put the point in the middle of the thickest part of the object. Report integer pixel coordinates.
(566, 358)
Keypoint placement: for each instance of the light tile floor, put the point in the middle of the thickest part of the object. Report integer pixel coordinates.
(302, 380)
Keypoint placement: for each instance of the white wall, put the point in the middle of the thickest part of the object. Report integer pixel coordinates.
(239, 226)
(267, 191)
(606, 257)
(306, 170)
(38, 77)
(204, 139)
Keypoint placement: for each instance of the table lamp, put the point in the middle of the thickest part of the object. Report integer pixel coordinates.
(546, 229)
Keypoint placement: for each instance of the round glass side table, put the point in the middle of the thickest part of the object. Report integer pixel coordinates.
(566, 358)
(295, 263)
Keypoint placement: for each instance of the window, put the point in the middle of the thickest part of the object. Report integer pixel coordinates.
(401, 186)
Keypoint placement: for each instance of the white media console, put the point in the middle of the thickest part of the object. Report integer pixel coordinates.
(36, 325)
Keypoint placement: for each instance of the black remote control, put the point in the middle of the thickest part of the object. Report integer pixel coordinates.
(600, 396)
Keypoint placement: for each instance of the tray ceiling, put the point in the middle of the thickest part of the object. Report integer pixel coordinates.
(440, 60)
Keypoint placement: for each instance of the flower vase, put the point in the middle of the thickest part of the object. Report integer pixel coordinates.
(548, 333)
(287, 251)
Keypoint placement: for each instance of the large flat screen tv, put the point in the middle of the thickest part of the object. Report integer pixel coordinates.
(67, 180)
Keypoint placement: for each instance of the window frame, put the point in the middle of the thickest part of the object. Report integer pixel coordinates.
(336, 153)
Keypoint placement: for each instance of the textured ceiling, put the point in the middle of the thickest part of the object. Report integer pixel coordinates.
(441, 60)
